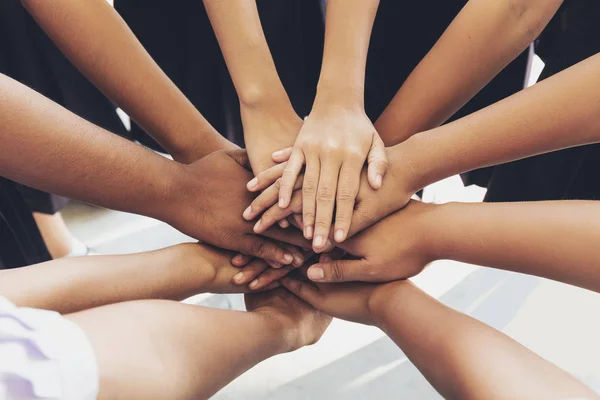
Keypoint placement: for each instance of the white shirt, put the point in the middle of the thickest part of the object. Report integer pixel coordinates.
(44, 356)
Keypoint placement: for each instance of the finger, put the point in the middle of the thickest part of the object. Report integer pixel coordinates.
(266, 178)
(268, 277)
(240, 260)
(265, 249)
(297, 254)
(336, 254)
(288, 236)
(276, 213)
(378, 163)
(325, 202)
(290, 174)
(340, 271)
(266, 199)
(284, 223)
(249, 273)
(348, 184)
(282, 155)
(309, 195)
(306, 291)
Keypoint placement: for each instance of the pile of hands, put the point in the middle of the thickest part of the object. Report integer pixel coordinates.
(320, 198)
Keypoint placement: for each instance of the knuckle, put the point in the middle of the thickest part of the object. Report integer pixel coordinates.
(322, 225)
(259, 248)
(308, 215)
(331, 149)
(337, 271)
(325, 194)
(355, 155)
(309, 186)
(346, 195)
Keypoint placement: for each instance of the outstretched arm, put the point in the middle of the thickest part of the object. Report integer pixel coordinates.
(177, 351)
(75, 284)
(461, 357)
(93, 36)
(556, 240)
(479, 43)
(270, 122)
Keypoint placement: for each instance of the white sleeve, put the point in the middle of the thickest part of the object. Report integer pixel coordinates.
(44, 356)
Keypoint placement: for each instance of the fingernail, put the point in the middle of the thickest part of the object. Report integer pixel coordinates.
(319, 241)
(378, 180)
(248, 213)
(316, 274)
(339, 235)
(277, 153)
(256, 226)
(329, 244)
(252, 184)
(281, 202)
(237, 257)
(298, 261)
(308, 232)
(239, 277)
(288, 258)
(253, 284)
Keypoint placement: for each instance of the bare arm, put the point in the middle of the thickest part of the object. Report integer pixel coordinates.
(479, 43)
(177, 351)
(270, 122)
(74, 284)
(93, 36)
(461, 357)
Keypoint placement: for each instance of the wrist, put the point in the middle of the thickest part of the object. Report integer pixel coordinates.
(334, 94)
(280, 328)
(381, 302)
(411, 164)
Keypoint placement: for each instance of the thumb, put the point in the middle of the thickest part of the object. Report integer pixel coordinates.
(378, 163)
(339, 271)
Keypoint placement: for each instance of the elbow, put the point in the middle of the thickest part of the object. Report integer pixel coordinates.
(531, 17)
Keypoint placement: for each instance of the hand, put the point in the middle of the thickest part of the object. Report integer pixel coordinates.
(301, 324)
(267, 129)
(356, 302)
(211, 268)
(334, 142)
(371, 205)
(394, 248)
(207, 199)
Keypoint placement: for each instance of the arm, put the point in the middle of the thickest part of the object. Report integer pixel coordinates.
(461, 357)
(50, 148)
(337, 137)
(559, 112)
(556, 240)
(480, 42)
(270, 122)
(177, 351)
(93, 36)
(74, 284)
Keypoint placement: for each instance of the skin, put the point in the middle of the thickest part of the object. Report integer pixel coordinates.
(558, 113)
(555, 240)
(169, 345)
(58, 157)
(97, 41)
(471, 359)
(269, 120)
(468, 55)
(337, 137)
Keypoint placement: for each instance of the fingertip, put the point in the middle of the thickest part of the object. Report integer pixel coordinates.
(340, 235)
(252, 185)
(316, 273)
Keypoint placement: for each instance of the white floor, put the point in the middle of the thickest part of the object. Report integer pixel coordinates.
(557, 321)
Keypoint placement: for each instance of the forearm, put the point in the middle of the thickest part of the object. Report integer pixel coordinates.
(51, 149)
(347, 34)
(557, 113)
(463, 358)
(242, 40)
(175, 351)
(556, 240)
(93, 36)
(479, 43)
(74, 284)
